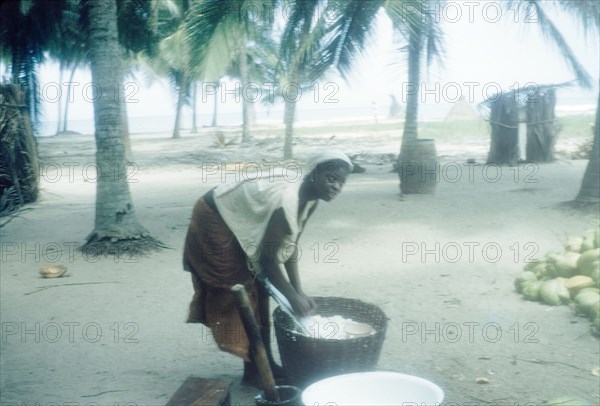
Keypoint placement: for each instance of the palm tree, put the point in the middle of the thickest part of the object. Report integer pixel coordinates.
(68, 48)
(590, 185)
(424, 42)
(316, 38)
(587, 13)
(317, 35)
(164, 53)
(296, 56)
(253, 65)
(173, 57)
(222, 36)
(26, 29)
(117, 229)
(137, 24)
(174, 60)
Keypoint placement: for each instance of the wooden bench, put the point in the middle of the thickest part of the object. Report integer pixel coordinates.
(202, 392)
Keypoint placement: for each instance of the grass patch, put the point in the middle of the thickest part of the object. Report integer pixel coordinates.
(570, 127)
(579, 126)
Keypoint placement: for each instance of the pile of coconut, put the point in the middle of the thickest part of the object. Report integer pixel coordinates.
(570, 276)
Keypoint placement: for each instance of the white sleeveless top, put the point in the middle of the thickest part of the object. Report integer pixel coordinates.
(247, 206)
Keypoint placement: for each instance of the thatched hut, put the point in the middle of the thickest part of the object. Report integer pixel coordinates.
(461, 111)
(523, 124)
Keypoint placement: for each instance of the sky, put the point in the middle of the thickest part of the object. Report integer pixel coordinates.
(484, 52)
(487, 49)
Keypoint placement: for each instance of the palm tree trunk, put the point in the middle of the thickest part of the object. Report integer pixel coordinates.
(125, 128)
(61, 70)
(288, 117)
(295, 76)
(244, 79)
(194, 106)
(412, 97)
(180, 100)
(590, 186)
(117, 230)
(251, 114)
(71, 76)
(214, 117)
(416, 165)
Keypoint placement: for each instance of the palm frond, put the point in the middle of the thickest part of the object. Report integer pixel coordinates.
(435, 44)
(219, 51)
(170, 7)
(136, 26)
(297, 29)
(422, 34)
(587, 13)
(550, 31)
(151, 69)
(310, 54)
(219, 30)
(352, 27)
(203, 22)
(174, 50)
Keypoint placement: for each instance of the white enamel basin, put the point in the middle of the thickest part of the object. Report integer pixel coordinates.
(373, 388)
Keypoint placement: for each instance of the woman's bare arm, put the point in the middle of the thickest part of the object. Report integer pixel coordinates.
(272, 240)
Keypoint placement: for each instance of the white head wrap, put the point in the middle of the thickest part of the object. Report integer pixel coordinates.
(327, 155)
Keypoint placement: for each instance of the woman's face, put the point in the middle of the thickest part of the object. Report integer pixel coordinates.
(329, 181)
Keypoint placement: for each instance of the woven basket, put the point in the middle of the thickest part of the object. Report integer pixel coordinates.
(309, 359)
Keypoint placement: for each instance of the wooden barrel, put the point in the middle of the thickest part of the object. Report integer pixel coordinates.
(417, 167)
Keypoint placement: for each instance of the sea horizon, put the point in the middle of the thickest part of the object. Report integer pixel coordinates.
(155, 124)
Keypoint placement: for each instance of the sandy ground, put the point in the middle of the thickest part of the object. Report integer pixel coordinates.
(441, 267)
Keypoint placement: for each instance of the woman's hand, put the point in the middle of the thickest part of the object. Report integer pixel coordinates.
(303, 305)
(311, 302)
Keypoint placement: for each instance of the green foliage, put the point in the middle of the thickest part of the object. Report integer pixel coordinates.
(137, 25)
(18, 152)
